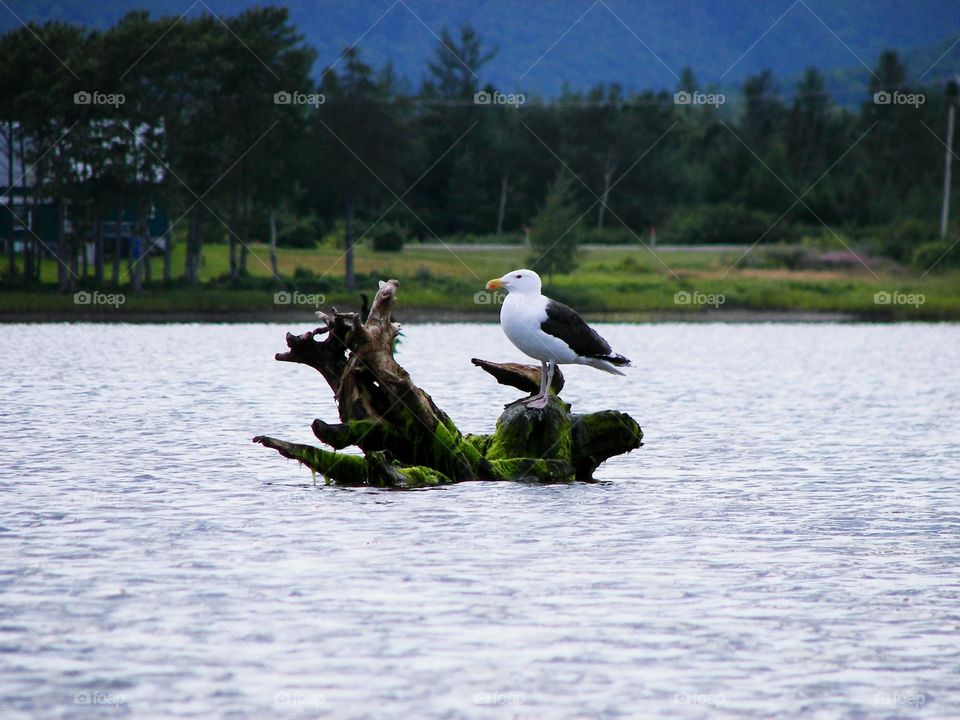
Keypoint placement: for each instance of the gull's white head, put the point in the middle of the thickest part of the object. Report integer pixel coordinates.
(522, 282)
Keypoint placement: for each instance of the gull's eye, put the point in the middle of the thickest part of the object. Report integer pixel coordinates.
(519, 277)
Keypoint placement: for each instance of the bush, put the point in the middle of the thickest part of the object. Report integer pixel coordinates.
(725, 225)
(935, 255)
(299, 236)
(387, 238)
(789, 257)
(905, 237)
(422, 274)
(820, 239)
(306, 280)
(629, 264)
(302, 233)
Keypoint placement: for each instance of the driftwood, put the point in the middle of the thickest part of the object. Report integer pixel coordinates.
(408, 442)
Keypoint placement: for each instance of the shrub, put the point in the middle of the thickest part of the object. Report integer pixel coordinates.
(936, 256)
(725, 225)
(307, 280)
(790, 257)
(823, 240)
(387, 238)
(302, 233)
(422, 274)
(904, 237)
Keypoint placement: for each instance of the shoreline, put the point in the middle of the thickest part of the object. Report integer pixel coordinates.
(433, 315)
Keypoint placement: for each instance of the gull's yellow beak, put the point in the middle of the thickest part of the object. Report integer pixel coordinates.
(494, 284)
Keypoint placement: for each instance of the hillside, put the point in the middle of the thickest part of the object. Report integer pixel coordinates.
(542, 45)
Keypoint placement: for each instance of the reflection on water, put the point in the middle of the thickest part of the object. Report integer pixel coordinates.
(786, 541)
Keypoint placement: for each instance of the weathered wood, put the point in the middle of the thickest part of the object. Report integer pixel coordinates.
(522, 377)
(408, 442)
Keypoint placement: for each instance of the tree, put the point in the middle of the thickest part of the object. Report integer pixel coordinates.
(358, 133)
(189, 76)
(262, 135)
(14, 82)
(807, 125)
(502, 134)
(598, 138)
(462, 190)
(50, 114)
(129, 141)
(763, 112)
(554, 233)
(890, 73)
(688, 80)
(897, 156)
(453, 71)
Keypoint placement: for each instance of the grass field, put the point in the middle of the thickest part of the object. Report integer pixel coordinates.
(626, 283)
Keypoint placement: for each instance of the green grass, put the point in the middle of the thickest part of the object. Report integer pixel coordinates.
(616, 282)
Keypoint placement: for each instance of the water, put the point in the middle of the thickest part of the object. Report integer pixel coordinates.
(785, 544)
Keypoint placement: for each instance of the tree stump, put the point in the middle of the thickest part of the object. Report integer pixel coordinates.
(408, 442)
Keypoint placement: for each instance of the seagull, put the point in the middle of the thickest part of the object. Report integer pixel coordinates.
(549, 331)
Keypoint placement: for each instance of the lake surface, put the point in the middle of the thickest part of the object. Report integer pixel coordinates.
(785, 544)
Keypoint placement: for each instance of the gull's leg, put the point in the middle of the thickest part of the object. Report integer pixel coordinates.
(546, 379)
(543, 385)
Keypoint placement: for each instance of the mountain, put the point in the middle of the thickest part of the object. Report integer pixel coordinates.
(542, 45)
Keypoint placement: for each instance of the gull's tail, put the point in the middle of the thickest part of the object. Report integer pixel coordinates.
(607, 363)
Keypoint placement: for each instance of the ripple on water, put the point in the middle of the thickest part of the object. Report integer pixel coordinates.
(786, 542)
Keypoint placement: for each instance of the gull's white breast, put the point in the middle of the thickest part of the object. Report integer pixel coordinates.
(520, 318)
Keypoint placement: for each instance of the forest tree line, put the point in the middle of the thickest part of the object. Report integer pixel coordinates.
(226, 126)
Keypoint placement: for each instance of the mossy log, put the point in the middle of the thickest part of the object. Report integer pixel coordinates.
(408, 442)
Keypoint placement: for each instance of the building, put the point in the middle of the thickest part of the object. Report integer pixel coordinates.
(33, 217)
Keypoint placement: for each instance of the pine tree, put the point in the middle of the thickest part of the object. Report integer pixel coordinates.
(555, 232)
